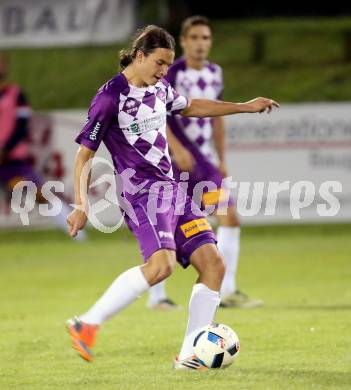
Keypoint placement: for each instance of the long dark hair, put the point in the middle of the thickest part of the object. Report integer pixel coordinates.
(147, 40)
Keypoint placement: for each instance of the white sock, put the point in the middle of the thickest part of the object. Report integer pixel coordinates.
(228, 245)
(202, 309)
(157, 293)
(123, 291)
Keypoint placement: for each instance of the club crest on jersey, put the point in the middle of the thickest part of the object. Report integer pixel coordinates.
(161, 94)
(94, 132)
(134, 128)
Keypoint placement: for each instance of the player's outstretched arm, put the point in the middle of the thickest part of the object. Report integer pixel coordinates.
(78, 217)
(210, 108)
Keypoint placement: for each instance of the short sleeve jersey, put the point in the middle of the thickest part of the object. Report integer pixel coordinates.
(206, 83)
(131, 122)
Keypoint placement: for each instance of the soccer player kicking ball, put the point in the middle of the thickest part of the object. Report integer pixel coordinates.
(197, 143)
(129, 114)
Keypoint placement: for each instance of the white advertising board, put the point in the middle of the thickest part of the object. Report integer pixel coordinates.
(305, 150)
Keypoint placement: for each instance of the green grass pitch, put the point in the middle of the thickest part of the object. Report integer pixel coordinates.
(301, 338)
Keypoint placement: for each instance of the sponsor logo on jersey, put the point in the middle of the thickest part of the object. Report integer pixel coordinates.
(152, 123)
(193, 227)
(94, 132)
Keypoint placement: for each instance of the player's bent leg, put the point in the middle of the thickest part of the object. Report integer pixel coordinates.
(159, 266)
(204, 299)
(209, 264)
(122, 292)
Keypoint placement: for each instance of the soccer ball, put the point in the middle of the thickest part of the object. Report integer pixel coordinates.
(216, 346)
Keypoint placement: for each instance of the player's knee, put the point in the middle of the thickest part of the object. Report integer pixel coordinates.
(218, 266)
(209, 263)
(215, 265)
(157, 271)
(164, 271)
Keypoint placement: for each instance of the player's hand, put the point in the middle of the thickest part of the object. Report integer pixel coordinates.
(261, 104)
(223, 168)
(183, 159)
(76, 220)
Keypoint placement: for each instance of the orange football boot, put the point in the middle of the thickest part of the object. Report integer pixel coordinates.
(83, 337)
